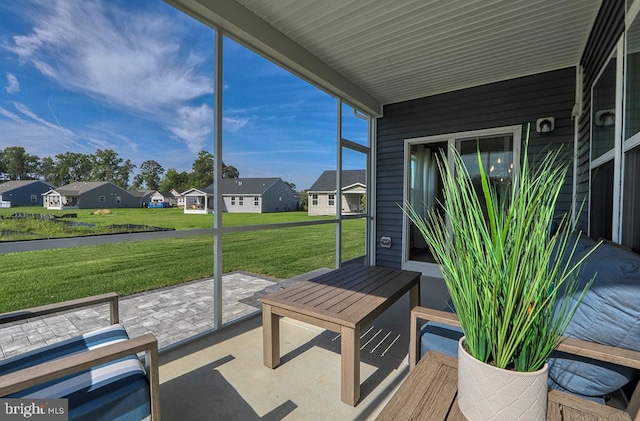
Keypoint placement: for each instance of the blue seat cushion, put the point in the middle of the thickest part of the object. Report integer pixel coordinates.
(440, 338)
(117, 390)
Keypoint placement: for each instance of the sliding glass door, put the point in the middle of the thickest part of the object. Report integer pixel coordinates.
(424, 157)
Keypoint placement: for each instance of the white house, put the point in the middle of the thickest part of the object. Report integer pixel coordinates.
(322, 194)
(244, 195)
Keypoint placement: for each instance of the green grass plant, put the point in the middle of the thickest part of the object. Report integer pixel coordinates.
(499, 264)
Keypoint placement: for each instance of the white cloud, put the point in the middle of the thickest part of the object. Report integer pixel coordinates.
(11, 116)
(136, 61)
(194, 125)
(13, 86)
(26, 111)
(234, 124)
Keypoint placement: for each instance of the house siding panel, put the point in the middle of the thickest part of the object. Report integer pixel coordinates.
(607, 30)
(21, 196)
(507, 103)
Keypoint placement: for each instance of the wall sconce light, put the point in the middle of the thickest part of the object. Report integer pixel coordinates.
(545, 125)
(605, 117)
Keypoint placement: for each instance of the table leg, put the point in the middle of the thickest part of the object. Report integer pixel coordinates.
(350, 376)
(414, 295)
(270, 337)
(414, 300)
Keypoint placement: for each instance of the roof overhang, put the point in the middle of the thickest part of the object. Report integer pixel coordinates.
(376, 52)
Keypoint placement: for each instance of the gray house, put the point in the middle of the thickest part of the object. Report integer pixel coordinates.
(322, 194)
(244, 195)
(90, 195)
(22, 193)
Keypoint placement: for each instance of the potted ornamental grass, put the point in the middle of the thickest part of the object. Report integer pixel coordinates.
(507, 272)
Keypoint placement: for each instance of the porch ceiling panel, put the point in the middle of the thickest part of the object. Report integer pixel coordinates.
(404, 49)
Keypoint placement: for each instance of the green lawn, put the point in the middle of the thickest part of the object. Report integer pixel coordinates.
(41, 277)
(164, 218)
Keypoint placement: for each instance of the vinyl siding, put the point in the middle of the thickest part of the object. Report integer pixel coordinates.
(507, 103)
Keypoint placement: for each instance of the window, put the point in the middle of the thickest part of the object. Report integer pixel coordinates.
(314, 199)
(101, 198)
(233, 200)
(629, 226)
(240, 200)
(256, 201)
(34, 198)
(499, 152)
(604, 168)
(332, 200)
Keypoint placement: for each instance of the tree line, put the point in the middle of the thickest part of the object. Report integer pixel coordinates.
(106, 165)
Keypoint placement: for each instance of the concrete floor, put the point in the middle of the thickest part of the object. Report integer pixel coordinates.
(221, 376)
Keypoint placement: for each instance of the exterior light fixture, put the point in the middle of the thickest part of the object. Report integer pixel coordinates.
(545, 125)
(605, 117)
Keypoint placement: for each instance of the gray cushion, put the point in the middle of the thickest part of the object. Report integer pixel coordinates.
(609, 314)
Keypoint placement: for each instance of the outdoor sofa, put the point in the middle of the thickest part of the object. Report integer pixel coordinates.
(601, 350)
(98, 372)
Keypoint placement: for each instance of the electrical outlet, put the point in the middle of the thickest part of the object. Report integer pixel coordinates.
(385, 242)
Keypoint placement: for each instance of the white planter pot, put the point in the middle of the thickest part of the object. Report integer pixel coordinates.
(489, 393)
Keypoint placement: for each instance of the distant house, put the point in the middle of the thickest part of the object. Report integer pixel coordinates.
(90, 195)
(163, 199)
(244, 195)
(179, 198)
(143, 196)
(198, 200)
(322, 194)
(22, 193)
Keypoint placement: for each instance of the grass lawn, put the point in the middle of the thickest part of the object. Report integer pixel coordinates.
(164, 218)
(41, 277)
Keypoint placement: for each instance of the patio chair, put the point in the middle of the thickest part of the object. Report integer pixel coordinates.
(98, 372)
(600, 352)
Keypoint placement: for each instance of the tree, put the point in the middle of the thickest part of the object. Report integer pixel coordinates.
(202, 175)
(19, 164)
(229, 171)
(174, 180)
(107, 166)
(149, 175)
(292, 186)
(47, 168)
(304, 199)
(71, 166)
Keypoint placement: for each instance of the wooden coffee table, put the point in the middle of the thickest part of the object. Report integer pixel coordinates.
(430, 393)
(343, 301)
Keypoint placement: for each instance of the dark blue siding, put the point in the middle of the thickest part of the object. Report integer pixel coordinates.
(512, 102)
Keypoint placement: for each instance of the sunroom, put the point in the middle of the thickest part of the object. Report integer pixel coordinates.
(414, 79)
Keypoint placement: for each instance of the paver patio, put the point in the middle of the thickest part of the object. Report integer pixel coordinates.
(173, 313)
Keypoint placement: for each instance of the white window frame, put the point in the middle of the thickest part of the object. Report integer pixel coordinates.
(240, 200)
(233, 200)
(331, 199)
(314, 199)
(614, 154)
(432, 269)
(256, 201)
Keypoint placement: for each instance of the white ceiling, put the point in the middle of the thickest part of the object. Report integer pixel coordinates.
(396, 50)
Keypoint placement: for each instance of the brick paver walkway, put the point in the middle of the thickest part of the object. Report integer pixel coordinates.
(172, 314)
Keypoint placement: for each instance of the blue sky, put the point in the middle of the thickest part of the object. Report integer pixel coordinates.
(137, 77)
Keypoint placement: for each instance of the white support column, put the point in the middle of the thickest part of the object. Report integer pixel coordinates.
(217, 170)
(338, 197)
